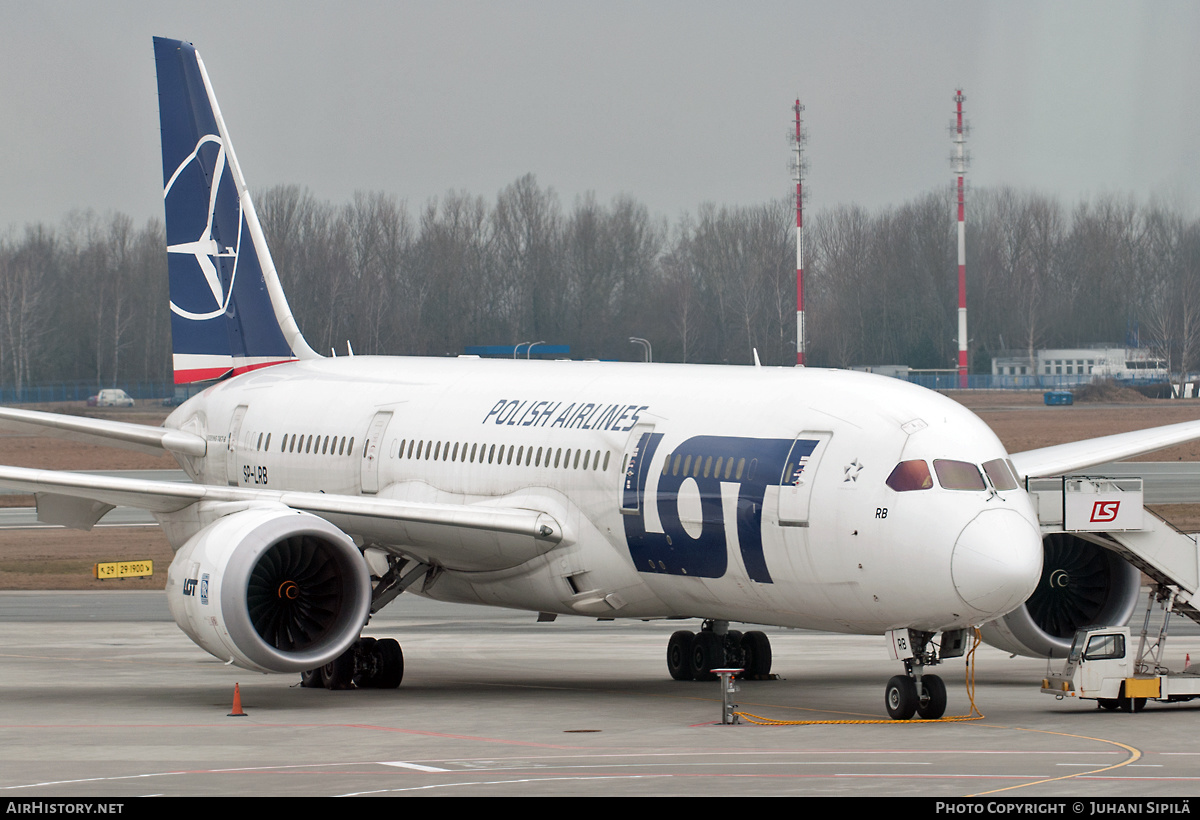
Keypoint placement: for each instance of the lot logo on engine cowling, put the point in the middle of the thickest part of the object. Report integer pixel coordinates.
(674, 551)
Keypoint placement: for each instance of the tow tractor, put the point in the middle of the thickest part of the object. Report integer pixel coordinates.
(1100, 668)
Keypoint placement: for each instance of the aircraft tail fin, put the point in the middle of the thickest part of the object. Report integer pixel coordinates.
(228, 310)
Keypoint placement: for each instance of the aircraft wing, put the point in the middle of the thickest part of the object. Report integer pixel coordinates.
(141, 437)
(1077, 455)
(469, 537)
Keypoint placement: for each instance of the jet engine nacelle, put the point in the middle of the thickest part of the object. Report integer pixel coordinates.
(1082, 584)
(272, 589)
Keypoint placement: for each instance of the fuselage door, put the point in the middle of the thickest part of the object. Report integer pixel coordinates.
(636, 463)
(232, 468)
(799, 472)
(372, 450)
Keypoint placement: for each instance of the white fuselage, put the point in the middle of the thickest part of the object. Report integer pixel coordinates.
(747, 494)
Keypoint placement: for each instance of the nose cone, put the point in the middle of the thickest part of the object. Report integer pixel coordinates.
(997, 561)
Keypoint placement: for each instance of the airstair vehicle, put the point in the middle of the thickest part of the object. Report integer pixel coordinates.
(1101, 666)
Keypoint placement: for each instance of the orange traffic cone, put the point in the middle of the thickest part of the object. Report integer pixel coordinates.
(237, 703)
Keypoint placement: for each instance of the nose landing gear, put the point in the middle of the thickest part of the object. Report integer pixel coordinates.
(924, 696)
(916, 691)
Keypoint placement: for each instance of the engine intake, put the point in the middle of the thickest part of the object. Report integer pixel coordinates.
(275, 590)
(1082, 584)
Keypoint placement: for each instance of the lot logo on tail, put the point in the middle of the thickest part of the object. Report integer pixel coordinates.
(205, 252)
(223, 318)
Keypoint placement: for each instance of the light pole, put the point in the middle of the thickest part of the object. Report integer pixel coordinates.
(645, 344)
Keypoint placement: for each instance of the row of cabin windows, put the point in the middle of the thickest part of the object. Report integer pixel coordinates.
(687, 465)
(299, 443)
(503, 454)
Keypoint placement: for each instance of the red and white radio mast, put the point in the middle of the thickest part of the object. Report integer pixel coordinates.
(798, 140)
(959, 162)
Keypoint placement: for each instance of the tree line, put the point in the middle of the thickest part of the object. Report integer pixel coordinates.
(87, 300)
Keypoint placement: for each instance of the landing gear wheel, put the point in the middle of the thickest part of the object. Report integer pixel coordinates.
(756, 648)
(679, 649)
(362, 677)
(391, 664)
(312, 679)
(707, 653)
(901, 697)
(735, 656)
(934, 704)
(339, 673)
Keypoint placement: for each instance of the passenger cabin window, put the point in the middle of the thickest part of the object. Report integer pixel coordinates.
(958, 475)
(910, 475)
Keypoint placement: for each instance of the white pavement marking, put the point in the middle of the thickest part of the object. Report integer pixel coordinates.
(400, 764)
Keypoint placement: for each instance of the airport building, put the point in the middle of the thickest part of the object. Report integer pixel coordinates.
(1051, 368)
(1079, 365)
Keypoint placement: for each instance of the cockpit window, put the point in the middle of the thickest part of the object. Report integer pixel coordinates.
(1000, 475)
(910, 475)
(958, 475)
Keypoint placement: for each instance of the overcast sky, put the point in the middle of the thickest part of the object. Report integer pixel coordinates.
(674, 103)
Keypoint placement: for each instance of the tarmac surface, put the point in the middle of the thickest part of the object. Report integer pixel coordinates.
(102, 696)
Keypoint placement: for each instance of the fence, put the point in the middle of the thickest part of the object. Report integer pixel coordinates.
(79, 391)
(986, 381)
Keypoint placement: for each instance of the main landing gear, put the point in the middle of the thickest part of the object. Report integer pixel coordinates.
(372, 663)
(918, 692)
(369, 663)
(693, 655)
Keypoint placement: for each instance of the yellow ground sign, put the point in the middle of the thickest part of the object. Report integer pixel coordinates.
(123, 569)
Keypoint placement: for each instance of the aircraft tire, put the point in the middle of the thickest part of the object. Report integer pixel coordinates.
(339, 672)
(735, 656)
(391, 664)
(678, 651)
(360, 647)
(934, 705)
(901, 697)
(707, 653)
(312, 679)
(756, 651)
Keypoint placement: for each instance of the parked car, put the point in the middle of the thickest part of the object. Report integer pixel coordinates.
(110, 398)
